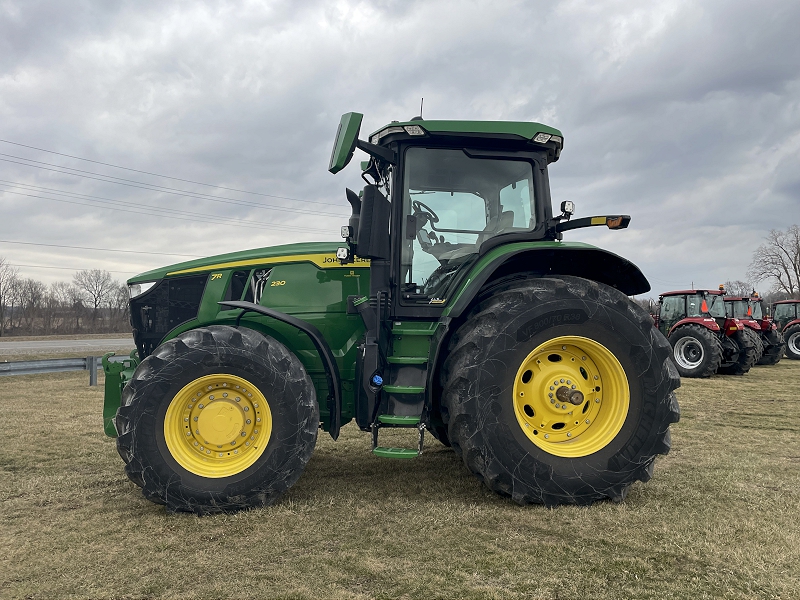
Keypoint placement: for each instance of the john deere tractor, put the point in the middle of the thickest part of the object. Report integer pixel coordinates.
(704, 340)
(451, 306)
(787, 319)
(750, 312)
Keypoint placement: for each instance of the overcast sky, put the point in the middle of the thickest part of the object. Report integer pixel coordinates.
(685, 115)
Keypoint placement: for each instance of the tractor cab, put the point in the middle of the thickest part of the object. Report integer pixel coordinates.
(745, 308)
(705, 307)
(787, 321)
(785, 312)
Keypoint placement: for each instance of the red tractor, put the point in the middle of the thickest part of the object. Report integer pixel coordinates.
(786, 314)
(704, 340)
(750, 311)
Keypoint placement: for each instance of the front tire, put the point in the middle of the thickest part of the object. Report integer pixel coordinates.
(792, 337)
(568, 448)
(696, 351)
(745, 356)
(774, 347)
(755, 339)
(216, 420)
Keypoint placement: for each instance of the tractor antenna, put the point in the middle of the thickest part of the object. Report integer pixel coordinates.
(421, 100)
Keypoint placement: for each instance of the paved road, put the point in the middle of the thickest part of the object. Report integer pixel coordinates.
(59, 345)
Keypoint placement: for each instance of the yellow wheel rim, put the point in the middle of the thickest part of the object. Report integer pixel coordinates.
(571, 396)
(217, 425)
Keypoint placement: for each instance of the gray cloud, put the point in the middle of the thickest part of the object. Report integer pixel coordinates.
(683, 114)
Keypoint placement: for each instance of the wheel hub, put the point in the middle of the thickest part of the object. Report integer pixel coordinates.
(571, 396)
(217, 425)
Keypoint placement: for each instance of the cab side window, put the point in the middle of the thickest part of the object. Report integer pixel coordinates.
(672, 310)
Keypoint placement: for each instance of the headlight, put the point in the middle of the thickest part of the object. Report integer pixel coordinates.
(137, 289)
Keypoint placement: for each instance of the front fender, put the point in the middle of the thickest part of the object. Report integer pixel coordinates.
(546, 259)
(703, 322)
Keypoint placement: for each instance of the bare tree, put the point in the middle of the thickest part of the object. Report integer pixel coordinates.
(779, 260)
(96, 285)
(739, 288)
(31, 300)
(8, 278)
(118, 306)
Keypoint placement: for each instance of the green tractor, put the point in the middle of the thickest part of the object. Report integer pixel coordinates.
(451, 307)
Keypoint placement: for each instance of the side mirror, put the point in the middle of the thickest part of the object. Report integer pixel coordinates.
(373, 225)
(345, 143)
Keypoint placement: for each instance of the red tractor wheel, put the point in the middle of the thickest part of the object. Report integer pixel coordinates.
(744, 358)
(774, 347)
(696, 351)
(792, 337)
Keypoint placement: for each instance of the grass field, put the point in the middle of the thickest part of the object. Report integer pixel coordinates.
(720, 518)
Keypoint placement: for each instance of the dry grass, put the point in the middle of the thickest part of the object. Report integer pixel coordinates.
(720, 519)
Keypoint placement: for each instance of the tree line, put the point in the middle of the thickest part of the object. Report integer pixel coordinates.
(93, 302)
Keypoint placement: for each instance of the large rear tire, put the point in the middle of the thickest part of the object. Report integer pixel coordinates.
(755, 339)
(695, 350)
(774, 347)
(745, 357)
(792, 337)
(216, 420)
(559, 391)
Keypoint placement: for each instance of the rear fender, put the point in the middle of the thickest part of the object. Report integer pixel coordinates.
(548, 259)
(710, 324)
(732, 326)
(791, 324)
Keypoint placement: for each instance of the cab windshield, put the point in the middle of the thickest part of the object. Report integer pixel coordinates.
(705, 304)
(746, 309)
(453, 203)
(716, 305)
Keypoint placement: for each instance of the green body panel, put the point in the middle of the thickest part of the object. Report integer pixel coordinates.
(117, 375)
(498, 252)
(523, 129)
(245, 258)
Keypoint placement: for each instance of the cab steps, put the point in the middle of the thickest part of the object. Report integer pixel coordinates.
(407, 422)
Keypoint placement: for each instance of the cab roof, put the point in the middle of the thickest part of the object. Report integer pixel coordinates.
(526, 133)
(693, 292)
(788, 302)
(521, 129)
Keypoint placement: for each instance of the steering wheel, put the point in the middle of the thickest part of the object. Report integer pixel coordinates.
(419, 207)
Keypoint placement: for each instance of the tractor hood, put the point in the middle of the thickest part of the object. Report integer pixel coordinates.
(319, 253)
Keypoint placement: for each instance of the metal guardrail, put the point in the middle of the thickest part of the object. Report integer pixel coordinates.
(57, 365)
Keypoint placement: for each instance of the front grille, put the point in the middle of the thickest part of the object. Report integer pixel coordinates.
(169, 304)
